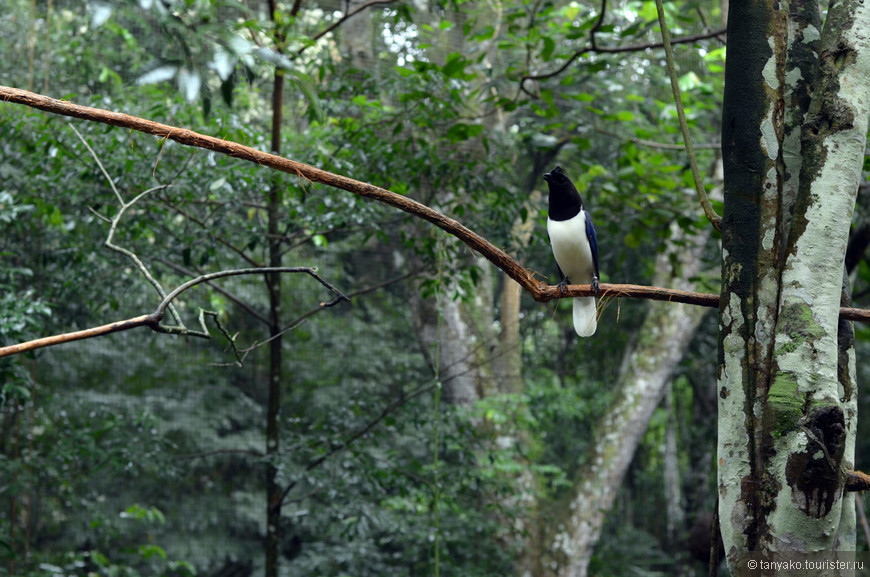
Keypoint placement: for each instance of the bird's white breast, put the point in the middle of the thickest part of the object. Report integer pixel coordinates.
(571, 248)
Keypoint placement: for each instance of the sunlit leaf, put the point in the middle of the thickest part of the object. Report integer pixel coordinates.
(100, 12)
(159, 74)
(189, 83)
(223, 63)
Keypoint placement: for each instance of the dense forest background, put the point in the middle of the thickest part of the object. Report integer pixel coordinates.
(438, 422)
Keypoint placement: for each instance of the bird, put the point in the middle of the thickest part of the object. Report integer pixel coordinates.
(575, 246)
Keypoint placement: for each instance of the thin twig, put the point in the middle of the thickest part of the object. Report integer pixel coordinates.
(219, 452)
(298, 321)
(152, 320)
(204, 225)
(339, 296)
(598, 23)
(615, 50)
(659, 145)
(361, 432)
(341, 21)
(113, 226)
(714, 218)
(241, 303)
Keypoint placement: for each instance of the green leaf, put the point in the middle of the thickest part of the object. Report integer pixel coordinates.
(149, 551)
(549, 47)
(648, 11)
(547, 96)
(632, 241)
(460, 132)
(306, 86)
(689, 81)
(485, 33)
(455, 66)
(55, 218)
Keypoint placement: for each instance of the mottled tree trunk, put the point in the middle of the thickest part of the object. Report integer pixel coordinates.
(794, 128)
(447, 340)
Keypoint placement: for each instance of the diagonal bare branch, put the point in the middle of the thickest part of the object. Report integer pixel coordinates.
(526, 278)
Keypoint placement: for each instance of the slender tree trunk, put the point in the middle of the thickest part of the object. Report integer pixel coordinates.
(507, 362)
(273, 432)
(672, 478)
(273, 285)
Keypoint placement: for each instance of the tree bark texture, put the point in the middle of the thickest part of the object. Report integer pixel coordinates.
(793, 132)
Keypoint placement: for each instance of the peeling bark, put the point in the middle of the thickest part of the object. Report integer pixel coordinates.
(786, 371)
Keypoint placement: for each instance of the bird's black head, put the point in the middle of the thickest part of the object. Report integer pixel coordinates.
(565, 201)
(558, 177)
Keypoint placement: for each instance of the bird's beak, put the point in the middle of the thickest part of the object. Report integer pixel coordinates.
(547, 176)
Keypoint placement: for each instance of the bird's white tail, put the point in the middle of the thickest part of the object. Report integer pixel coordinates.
(585, 316)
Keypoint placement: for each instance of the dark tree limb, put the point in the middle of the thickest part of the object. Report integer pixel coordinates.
(594, 48)
(398, 403)
(859, 240)
(306, 315)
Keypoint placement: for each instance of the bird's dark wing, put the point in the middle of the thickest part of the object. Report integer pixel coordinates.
(593, 241)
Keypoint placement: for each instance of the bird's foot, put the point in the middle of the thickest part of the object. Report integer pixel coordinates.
(595, 287)
(563, 284)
